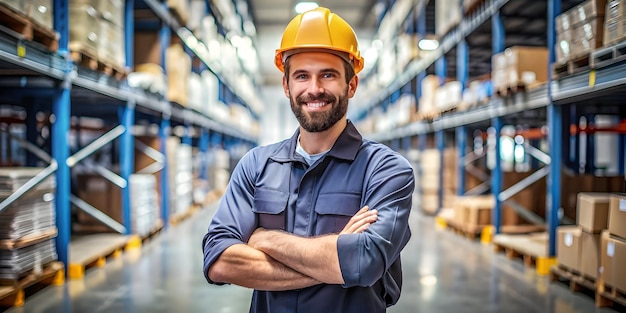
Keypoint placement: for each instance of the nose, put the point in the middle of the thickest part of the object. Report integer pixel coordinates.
(315, 86)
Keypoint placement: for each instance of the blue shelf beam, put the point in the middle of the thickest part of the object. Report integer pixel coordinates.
(164, 133)
(61, 108)
(127, 157)
(555, 129)
(440, 141)
(461, 146)
(496, 172)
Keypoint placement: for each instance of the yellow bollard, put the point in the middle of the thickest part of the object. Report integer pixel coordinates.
(76, 271)
(19, 298)
(486, 235)
(59, 278)
(440, 222)
(544, 265)
(133, 243)
(101, 262)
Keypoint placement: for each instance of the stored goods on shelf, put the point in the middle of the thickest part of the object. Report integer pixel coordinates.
(97, 37)
(519, 67)
(178, 68)
(406, 50)
(615, 23)
(27, 225)
(144, 204)
(40, 11)
(448, 96)
(447, 15)
(427, 102)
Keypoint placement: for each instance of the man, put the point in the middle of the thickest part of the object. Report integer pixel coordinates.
(315, 223)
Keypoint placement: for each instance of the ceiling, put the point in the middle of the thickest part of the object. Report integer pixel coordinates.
(271, 16)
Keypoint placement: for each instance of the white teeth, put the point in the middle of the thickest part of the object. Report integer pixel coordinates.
(316, 104)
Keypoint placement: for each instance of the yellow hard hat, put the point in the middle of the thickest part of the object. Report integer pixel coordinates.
(319, 29)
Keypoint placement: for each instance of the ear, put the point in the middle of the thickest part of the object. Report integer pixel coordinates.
(285, 87)
(354, 82)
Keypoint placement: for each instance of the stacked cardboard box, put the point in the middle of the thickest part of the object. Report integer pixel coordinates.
(519, 66)
(580, 30)
(97, 29)
(615, 24)
(579, 245)
(429, 180)
(613, 253)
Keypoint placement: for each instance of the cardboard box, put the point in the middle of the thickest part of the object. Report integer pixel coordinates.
(526, 65)
(588, 36)
(617, 215)
(614, 30)
(590, 251)
(40, 11)
(101, 194)
(587, 11)
(87, 36)
(615, 8)
(147, 48)
(593, 211)
(613, 271)
(569, 247)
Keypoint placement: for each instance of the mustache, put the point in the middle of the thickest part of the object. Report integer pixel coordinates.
(325, 97)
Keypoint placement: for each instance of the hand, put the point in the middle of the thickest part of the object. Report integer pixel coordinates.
(360, 221)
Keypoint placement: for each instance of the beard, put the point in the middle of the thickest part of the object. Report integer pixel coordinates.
(319, 121)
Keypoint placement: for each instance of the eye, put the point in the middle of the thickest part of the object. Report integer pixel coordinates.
(301, 76)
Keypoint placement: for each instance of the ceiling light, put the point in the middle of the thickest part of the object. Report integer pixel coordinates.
(305, 6)
(428, 44)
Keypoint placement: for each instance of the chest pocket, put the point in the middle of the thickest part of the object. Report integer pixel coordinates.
(269, 207)
(334, 210)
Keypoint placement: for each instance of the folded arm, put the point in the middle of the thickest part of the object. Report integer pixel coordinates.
(315, 257)
(242, 265)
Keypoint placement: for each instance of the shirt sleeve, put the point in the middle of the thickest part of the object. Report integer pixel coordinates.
(234, 220)
(364, 258)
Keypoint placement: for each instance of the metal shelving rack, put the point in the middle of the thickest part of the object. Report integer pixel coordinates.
(595, 87)
(52, 82)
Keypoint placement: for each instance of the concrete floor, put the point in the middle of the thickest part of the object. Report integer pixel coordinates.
(444, 272)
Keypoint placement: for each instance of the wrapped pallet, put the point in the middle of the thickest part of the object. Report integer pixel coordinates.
(27, 225)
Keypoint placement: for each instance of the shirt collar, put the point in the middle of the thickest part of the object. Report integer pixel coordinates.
(346, 146)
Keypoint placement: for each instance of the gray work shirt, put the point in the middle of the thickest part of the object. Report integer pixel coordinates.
(272, 187)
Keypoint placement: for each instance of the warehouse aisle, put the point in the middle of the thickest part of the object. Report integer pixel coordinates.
(443, 273)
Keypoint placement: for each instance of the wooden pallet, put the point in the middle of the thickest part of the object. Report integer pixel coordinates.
(27, 29)
(470, 232)
(510, 90)
(609, 296)
(577, 281)
(608, 55)
(572, 66)
(530, 248)
(88, 57)
(13, 295)
(94, 250)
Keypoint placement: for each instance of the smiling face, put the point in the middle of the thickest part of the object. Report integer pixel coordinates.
(317, 89)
